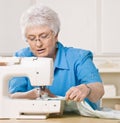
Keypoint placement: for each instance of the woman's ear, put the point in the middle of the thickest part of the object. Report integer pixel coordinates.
(56, 37)
(26, 40)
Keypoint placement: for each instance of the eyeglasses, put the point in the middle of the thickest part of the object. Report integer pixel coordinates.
(42, 37)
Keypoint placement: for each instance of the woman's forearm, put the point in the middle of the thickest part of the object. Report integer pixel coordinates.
(19, 95)
(97, 91)
(32, 94)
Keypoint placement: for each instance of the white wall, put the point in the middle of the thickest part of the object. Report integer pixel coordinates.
(110, 28)
(88, 24)
(10, 35)
(78, 22)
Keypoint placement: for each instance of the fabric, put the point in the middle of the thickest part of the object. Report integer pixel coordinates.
(72, 67)
(84, 109)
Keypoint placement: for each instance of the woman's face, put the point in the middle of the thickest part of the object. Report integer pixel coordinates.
(42, 41)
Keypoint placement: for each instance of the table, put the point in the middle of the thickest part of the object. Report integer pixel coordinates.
(64, 119)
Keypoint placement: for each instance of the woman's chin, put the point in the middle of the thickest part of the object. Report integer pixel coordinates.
(41, 55)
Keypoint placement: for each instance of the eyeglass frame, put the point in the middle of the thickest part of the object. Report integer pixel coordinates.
(44, 38)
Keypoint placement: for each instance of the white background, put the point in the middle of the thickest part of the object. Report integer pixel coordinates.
(88, 24)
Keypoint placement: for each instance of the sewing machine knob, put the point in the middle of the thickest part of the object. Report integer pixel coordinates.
(37, 72)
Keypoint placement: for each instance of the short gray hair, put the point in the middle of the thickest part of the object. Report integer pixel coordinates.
(40, 15)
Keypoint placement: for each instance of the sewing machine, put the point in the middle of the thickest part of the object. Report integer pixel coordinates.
(40, 73)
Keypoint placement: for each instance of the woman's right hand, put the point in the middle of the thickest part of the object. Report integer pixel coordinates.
(33, 94)
(36, 93)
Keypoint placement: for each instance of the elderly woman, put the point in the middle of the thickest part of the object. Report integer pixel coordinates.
(75, 75)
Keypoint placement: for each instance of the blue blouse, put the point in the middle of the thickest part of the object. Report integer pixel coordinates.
(72, 67)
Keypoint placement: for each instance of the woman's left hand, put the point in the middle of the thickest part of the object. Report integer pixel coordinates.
(77, 93)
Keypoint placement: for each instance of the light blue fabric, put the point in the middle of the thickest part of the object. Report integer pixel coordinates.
(72, 67)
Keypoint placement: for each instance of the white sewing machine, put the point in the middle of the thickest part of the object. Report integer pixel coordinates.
(40, 73)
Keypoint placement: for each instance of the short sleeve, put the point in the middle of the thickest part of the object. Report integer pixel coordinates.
(19, 84)
(87, 71)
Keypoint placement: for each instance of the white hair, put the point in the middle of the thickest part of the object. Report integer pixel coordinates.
(40, 15)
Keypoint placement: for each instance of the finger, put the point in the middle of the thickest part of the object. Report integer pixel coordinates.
(48, 93)
(51, 95)
(77, 99)
(75, 93)
(68, 93)
(38, 92)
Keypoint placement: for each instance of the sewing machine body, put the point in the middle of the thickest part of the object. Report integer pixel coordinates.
(40, 73)
(29, 109)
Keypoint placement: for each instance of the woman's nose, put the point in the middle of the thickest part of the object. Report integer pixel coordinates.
(38, 42)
